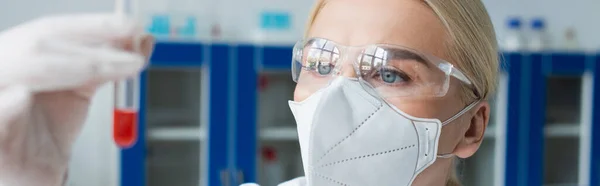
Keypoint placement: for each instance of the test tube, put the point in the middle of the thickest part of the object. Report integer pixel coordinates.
(125, 125)
(126, 102)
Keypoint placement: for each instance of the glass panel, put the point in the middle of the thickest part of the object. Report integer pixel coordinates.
(174, 131)
(279, 153)
(479, 168)
(562, 161)
(280, 161)
(563, 110)
(275, 90)
(174, 98)
(173, 163)
(563, 101)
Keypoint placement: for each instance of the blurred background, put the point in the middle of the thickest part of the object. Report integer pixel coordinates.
(214, 108)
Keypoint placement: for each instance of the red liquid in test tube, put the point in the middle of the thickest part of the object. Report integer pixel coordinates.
(125, 125)
(125, 128)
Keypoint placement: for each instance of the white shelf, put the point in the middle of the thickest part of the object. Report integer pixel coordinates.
(562, 130)
(279, 133)
(177, 133)
(554, 130)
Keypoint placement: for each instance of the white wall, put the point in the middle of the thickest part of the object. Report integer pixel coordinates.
(242, 22)
(560, 14)
(13, 12)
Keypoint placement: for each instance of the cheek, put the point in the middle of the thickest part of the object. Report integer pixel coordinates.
(425, 108)
(450, 136)
(300, 93)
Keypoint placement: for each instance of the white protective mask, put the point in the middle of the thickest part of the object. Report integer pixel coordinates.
(349, 137)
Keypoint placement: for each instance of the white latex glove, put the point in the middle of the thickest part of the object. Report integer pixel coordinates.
(49, 70)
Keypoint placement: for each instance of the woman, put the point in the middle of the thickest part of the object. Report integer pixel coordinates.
(377, 79)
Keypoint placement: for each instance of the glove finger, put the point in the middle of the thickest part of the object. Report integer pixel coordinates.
(15, 101)
(142, 44)
(107, 63)
(147, 45)
(70, 65)
(107, 26)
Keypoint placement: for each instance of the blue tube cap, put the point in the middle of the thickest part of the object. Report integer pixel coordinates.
(538, 24)
(514, 23)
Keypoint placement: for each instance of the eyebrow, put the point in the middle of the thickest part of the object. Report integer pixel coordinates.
(403, 54)
(407, 55)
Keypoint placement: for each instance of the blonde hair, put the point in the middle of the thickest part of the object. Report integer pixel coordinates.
(472, 47)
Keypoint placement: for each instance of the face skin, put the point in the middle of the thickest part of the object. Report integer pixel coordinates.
(413, 24)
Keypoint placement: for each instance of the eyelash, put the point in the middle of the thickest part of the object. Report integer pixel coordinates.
(405, 77)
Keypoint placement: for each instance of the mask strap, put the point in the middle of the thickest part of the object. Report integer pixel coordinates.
(445, 156)
(463, 111)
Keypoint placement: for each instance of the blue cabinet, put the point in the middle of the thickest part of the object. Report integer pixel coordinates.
(217, 114)
(550, 135)
(184, 119)
(595, 128)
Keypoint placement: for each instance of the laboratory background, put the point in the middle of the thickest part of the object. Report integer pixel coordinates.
(214, 111)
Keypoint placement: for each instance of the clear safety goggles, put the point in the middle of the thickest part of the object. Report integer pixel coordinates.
(389, 70)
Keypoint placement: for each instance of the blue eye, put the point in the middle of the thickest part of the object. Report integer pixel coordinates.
(324, 68)
(393, 76)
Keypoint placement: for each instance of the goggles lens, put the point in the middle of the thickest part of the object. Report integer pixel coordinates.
(387, 70)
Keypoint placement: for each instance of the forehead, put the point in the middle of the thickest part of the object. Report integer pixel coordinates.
(409, 23)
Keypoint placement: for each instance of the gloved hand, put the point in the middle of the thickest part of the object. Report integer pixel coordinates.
(49, 70)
